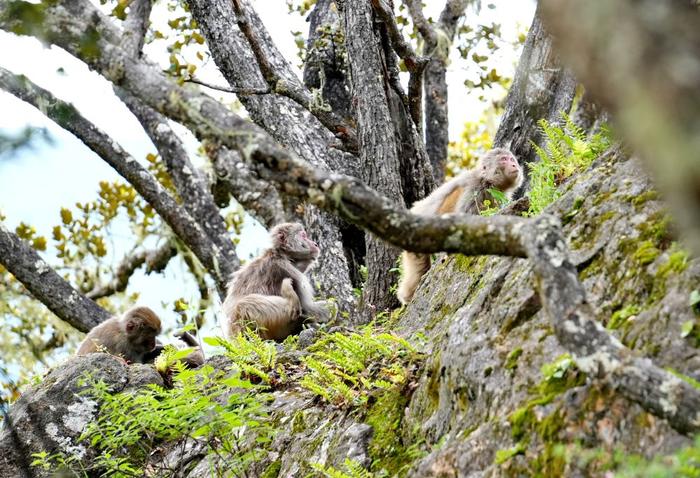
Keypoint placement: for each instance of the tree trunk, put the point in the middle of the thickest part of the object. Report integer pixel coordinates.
(379, 162)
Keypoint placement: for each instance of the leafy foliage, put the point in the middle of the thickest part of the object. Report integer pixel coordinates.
(350, 469)
(225, 413)
(254, 356)
(345, 369)
(568, 149)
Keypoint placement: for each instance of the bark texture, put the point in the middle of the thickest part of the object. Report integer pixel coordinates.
(379, 162)
(286, 121)
(46, 285)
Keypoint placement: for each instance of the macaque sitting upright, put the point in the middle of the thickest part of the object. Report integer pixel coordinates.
(131, 336)
(497, 169)
(272, 294)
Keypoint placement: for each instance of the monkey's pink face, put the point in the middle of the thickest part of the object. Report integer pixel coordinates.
(311, 245)
(509, 165)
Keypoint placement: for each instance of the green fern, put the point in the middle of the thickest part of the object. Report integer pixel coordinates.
(345, 369)
(351, 469)
(251, 354)
(567, 150)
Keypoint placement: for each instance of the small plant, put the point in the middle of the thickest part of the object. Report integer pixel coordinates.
(343, 369)
(351, 469)
(567, 150)
(685, 463)
(499, 200)
(254, 356)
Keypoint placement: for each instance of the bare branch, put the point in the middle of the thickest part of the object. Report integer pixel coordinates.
(414, 63)
(237, 91)
(136, 25)
(450, 15)
(438, 40)
(296, 92)
(155, 260)
(401, 46)
(46, 285)
(68, 117)
(190, 183)
(415, 9)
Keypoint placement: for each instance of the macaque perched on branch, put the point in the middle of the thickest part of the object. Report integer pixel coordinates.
(131, 336)
(496, 170)
(272, 294)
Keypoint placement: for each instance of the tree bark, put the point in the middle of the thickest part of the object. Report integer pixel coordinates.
(438, 40)
(286, 121)
(379, 162)
(326, 70)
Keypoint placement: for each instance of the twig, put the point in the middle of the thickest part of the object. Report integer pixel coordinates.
(237, 91)
(156, 260)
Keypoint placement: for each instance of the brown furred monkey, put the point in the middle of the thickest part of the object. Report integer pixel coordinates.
(131, 336)
(497, 169)
(272, 294)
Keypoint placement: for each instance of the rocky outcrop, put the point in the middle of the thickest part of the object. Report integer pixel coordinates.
(51, 415)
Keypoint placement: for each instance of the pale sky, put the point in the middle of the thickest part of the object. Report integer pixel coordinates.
(35, 184)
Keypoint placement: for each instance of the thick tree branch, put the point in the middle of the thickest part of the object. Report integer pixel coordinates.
(65, 115)
(297, 92)
(640, 60)
(46, 285)
(414, 63)
(190, 183)
(136, 25)
(155, 260)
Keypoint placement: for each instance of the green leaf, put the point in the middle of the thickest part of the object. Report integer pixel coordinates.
(687, 328)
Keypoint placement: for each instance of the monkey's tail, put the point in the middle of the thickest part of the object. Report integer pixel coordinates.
(414, 267)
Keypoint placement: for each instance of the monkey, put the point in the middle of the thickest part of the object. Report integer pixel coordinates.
(272, 293)
(131, 336)
(497, 169)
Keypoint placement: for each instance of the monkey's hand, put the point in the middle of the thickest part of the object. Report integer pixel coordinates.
(321, 311)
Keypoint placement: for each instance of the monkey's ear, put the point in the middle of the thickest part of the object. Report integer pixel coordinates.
(281, 236)
(130, 326)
